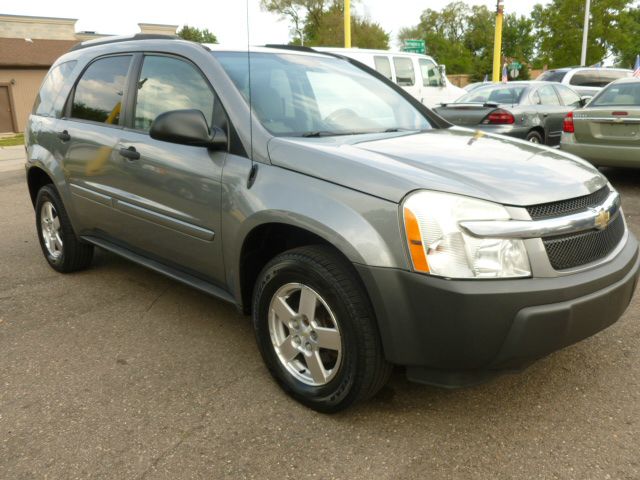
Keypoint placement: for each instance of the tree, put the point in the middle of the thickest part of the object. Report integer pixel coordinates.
(320, 23)
(627, 46)
(197, 35)
(559, 24)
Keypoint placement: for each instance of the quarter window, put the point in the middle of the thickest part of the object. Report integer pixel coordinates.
(167, 84)
(383, 66)
(98, 95)
(405, 75)
(50, 90)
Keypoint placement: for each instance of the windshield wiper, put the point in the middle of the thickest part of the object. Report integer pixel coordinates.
(326, 133)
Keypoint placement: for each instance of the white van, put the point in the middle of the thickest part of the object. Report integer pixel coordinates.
(418, 74)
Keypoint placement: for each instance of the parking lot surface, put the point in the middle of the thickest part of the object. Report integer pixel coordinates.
(118, 372)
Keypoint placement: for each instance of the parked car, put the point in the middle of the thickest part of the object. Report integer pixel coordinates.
(607, 131)
(587, 81)
(533, 111)
(359, 229)
(473, 86)
(419, 75)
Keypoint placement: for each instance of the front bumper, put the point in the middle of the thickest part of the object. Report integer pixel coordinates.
(456, 332)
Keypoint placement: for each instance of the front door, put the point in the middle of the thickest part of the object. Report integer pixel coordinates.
(6, 115)
(168, 195)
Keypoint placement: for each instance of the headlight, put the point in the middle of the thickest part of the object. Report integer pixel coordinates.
(437, 244)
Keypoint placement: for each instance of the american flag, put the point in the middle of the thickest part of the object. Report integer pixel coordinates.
(636, 69)
(505, 74)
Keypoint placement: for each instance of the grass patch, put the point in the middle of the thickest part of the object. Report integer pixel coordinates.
(10, 141)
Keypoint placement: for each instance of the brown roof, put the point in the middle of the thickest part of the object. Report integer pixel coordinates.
(18, 52)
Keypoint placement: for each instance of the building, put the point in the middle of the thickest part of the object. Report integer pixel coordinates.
(28, 48)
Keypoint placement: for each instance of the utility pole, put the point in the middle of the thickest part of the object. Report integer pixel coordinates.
(347, 23)
(497, 42)
(585, 33)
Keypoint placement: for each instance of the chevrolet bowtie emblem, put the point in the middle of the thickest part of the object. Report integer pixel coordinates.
(602, 219)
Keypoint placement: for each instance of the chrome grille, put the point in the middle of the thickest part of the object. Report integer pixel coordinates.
(569, 251)
(567, 207)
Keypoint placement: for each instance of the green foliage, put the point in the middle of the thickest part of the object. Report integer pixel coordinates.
(321, 23)
(197, 35)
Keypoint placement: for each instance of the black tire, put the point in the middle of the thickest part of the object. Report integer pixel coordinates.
(76, 254)
(363, 370)
(534, 137)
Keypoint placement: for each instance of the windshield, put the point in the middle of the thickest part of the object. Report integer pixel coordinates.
(309, 95)
(552, 76)
(618, 95)
(494, 94)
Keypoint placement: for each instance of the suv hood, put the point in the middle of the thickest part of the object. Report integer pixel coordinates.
(455, 160)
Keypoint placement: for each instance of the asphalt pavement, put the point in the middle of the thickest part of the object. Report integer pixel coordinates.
(120, 373)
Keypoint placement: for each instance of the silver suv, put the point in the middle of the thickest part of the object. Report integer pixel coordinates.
(359, 229)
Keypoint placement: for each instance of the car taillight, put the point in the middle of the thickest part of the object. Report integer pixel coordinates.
(499, 117)
(567, 125)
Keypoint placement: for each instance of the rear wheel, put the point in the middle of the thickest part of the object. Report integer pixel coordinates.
(60, 246)
(316, 330)
(534, 137)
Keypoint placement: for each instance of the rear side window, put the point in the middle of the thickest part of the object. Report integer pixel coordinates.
(587, 78)
(167, 84)
(430, 74)
(548, 96)
(405, 75)
(568, 96)
(50, 90)
(98, 94)
(383, 66)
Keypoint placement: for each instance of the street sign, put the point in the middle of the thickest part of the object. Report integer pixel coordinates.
(414, 46)
(514, 69)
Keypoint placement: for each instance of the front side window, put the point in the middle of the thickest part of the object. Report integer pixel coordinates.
(313, 95)
(430, 73)
(569, 97)
(50, 90)
(405, 75)
(98, 94)
(618, 95)
(548, 96)
(383, 66)
(166, 84)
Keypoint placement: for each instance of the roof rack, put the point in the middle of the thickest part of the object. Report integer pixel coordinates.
(128, 38)
(298, 48)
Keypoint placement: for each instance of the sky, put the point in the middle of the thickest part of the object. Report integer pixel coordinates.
(227, 19)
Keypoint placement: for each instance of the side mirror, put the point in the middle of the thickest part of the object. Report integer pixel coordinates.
(584, 100)
(187, 127)
(443, 75)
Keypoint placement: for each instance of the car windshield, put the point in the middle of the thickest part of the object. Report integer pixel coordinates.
(552, 76)
(618, 95)
(494, 94)
(312, 95)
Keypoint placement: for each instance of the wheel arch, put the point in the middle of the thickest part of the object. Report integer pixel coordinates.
(37, 178)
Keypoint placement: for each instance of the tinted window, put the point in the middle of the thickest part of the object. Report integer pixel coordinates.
(494, 93)
(608, 76)
(618, 95)
(430, 74)
(170, 84)
(383, 66)
(98, 95)
(297, 95)
(568, 96)
(587, 78)
(48, 94)
(552, 76)
(548, 96)
(405, 75)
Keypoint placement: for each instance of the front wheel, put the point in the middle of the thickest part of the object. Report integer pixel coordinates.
(316, 330)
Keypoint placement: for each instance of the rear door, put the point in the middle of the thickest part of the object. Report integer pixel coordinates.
(612, 118)
(168, 195)
(87, 134)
